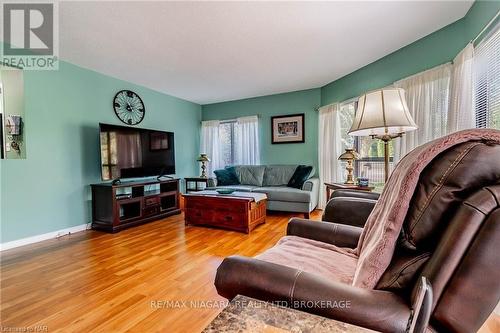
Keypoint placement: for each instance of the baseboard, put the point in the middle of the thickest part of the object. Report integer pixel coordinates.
(42, 237)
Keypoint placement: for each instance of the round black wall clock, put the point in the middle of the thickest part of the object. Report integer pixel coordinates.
(129, 107)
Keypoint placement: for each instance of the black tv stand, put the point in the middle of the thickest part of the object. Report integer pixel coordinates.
(119, 206)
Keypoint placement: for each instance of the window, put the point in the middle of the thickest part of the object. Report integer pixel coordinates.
(227, 142)
(371, 163)
(230, 142)
(346, 117)
(487, 81)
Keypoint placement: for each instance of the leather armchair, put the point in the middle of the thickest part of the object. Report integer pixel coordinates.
(451, 238)
(349, 207)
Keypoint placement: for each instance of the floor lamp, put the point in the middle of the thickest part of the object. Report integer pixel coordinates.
(383, 114)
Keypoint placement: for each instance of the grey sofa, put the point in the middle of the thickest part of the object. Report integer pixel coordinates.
(272, 180)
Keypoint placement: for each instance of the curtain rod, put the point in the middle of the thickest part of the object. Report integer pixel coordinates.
(486, 27)
(232, 120)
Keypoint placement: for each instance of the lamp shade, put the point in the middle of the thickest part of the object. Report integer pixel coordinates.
(349, 154)
(382, 112)
(203, 158)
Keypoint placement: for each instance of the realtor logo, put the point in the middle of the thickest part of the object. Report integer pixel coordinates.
(30, 35)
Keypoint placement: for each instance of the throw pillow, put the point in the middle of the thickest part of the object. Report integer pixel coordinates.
(226, 177)
(299, 177)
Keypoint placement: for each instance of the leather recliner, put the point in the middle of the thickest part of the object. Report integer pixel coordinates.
(450, 235)
(349, 207)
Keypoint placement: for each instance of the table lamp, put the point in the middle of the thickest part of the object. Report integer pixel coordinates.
(349, 156)
(203, 158)
(383, 114)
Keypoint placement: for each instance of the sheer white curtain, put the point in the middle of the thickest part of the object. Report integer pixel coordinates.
(329, 148)
(461, 113)
(427, 95)
(210, 144)
(246, 146)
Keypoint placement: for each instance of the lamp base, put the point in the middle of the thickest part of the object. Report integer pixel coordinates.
(386, 138)
(203, 170)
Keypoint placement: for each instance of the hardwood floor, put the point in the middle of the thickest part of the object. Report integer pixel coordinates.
(97, 282)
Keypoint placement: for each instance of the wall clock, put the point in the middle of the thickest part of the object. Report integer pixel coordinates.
(129, 107)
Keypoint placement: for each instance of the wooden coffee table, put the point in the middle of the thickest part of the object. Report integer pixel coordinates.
(240, 211)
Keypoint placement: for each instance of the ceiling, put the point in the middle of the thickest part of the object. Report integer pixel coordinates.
(209, 52)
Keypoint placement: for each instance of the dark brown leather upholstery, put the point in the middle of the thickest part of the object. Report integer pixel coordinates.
(355, 194)
(452, 177)
(348, 210)
(450, 235)
(288, 286)
(349, 207)
(465, 269)
(445, 183)
(332, 233)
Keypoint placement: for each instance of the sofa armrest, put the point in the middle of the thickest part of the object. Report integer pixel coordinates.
(312, 293)
(332, 233)
(348, 210)
(311, 184)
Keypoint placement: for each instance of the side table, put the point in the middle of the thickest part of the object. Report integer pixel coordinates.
(196, 184)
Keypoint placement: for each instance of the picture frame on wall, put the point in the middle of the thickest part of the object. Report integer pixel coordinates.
(288, 128)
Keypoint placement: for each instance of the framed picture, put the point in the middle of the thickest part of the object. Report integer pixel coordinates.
(288, 128)
(158, 141)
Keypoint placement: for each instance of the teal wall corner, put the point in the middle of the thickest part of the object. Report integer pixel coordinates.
(478, 16)
(49, 190)
(304, 101)
(432, 50)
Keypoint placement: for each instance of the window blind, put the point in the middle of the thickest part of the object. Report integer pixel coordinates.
(487, 81)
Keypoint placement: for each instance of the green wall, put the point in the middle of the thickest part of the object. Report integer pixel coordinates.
(49, 190)
(437, 48)
(304, 101)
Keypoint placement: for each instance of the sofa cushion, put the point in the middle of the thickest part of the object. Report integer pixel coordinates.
(278, 175)
(300, 175)
(240, 188)
(227, 176)
(250, 174)
(283, 193)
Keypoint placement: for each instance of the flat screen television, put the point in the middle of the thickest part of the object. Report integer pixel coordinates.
(128, 152)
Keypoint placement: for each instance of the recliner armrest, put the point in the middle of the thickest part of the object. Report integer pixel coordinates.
(355, 194)
(348, 210)
(312, 293)
(332, 233)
